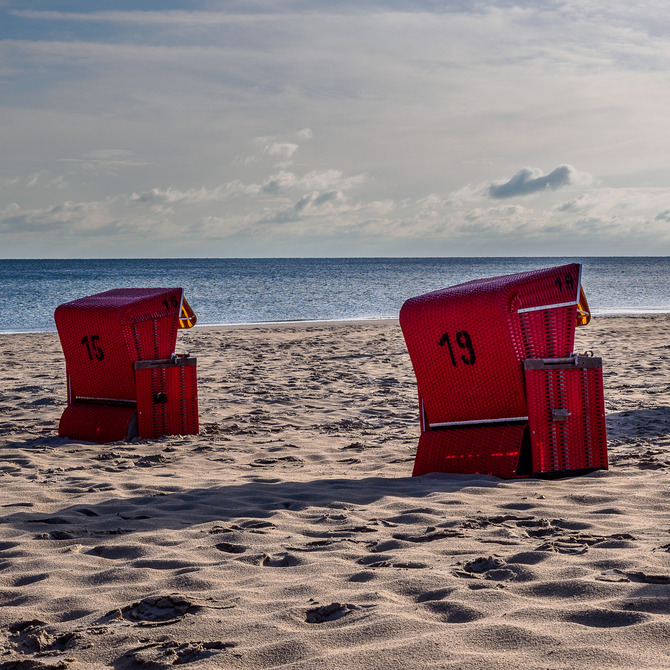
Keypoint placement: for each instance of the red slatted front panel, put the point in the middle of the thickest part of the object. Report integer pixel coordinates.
(177, 416)
(579, 442)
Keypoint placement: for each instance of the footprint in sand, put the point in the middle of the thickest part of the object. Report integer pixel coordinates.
(256, 525)
(487, 567)
(330, 612)
(449, 611)
(607, 618)
(117, 551)
(281, 460)
(580, 543)
(400, 565)
(52, 520)
(647, 578)
(283, 560)
(31, 637)
(230, 548)
(156, 610)
(168, 654)
(483, 564)
(389, 561)
(62, 535)
(429, 535)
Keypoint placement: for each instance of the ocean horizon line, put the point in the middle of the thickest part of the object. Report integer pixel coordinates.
(308, 258)
(649, 311)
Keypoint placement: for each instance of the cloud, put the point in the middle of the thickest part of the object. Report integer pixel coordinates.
(311, 206)
(275, 184)
(43, 179)
(175, 196)
(293, 212)
(530, 180)
(105, 161)
(64, 218)
(315, 201)
(286, 149)
(178, 17)
(274, 147)
(251, 12)
(321, 180)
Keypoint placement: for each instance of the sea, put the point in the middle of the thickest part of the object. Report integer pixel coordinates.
(268, 290)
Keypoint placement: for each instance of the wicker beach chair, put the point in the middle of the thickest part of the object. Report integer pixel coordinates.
(500, 391)
(123, 377)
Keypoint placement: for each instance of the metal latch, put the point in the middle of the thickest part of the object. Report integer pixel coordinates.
(558, 415)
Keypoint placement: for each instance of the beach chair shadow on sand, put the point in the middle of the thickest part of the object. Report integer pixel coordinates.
(500, 390)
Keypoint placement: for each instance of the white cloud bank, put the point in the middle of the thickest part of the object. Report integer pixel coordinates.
(560, 212)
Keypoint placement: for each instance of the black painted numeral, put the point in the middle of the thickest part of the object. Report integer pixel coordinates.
(464, 341)
(173, 301)
(445, 339)
(569, 283)
(94, 350)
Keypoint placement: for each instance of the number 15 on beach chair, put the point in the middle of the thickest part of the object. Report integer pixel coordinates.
(123, 378)
(500, 390)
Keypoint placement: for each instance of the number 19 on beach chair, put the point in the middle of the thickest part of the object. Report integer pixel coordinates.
(500, 390)
(123, 377)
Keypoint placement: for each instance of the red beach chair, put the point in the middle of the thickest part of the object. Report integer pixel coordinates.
(123, 377)
(500, 391)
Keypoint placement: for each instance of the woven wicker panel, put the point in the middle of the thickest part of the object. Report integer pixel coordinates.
(103, 334)
(98, 423)
(566, 411)
(491, 450)
(550, 286)
(151, 323)
(167, 399)
(548, 333)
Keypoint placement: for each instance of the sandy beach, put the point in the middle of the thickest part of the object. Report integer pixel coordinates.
(290, 534)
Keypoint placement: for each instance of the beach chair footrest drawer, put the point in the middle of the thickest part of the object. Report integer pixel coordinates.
(566, 414)
(167, 397)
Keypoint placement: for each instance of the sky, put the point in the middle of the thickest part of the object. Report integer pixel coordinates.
(266, 128)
